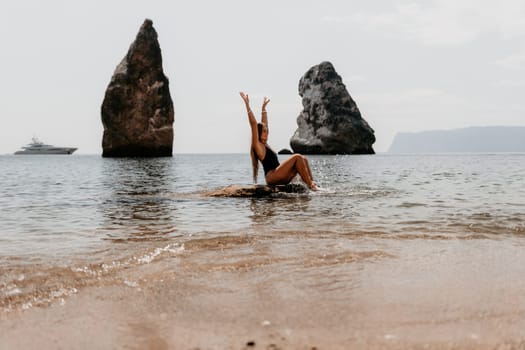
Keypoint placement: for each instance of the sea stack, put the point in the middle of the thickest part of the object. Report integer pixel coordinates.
(137, 111)
(330, 122)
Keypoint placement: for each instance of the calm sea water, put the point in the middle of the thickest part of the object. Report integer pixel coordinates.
(65, 218)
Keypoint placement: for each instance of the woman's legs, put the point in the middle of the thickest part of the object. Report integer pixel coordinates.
(313, 185)
(285, 172)
(308, 168)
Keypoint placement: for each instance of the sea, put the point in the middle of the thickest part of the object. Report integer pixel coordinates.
(69, 222)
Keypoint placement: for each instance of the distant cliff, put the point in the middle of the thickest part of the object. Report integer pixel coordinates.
(473, 139)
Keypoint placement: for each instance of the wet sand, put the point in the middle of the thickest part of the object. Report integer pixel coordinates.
(296, 291)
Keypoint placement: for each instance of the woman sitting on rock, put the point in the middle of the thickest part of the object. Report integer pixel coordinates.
(275, 173)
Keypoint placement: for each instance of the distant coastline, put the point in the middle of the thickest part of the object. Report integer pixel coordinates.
(471, 139)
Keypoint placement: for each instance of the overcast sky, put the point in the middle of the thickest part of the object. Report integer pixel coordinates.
(409, 65)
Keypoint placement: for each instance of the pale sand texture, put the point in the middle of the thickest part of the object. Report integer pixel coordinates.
(296, 292)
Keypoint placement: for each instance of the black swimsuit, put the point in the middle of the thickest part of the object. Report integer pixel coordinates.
(270, 161)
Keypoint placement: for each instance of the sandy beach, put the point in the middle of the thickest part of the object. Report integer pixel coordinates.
(296, 291)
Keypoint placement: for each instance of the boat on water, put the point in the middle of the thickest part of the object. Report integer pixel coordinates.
(38, 147)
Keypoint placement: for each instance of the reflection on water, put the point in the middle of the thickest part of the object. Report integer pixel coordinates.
(134, 207)
(274, 211)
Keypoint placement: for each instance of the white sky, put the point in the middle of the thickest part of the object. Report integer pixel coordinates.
(409, 65)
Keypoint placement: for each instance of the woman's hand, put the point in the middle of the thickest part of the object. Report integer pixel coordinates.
(245, 98)
(265, 102)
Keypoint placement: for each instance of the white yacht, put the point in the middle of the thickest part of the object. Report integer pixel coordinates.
(38, 147)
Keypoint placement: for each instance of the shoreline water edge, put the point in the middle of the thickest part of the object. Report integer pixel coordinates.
(401, 252)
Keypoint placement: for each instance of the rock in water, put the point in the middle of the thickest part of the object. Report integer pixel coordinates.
(285, 151)
(256, 191)
(330, 122)
(137, 112)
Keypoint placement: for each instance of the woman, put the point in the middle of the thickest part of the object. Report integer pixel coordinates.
(275, 173)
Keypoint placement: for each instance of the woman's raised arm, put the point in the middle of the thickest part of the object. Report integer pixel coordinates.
(264, 114)
(259, 148)
(251, 117)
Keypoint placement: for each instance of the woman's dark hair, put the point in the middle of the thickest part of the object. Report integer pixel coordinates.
(253, 154)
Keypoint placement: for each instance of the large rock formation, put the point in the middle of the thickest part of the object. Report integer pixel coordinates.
(330, 122)
(137, 112)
